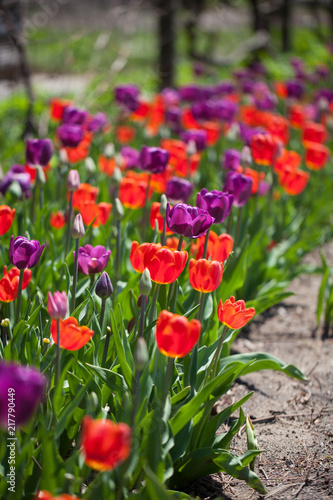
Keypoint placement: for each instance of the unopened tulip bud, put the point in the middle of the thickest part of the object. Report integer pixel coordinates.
(246, 157)
(163, 205)
(145, 283)
(323, 104)
(90, 165)
(1, 173)
(118, 210)
(73, 180)
(130, 325)
(63, 156)
(46, 341)
(104, 286)
(116, 176)
(57, 305)
(15, 189)
(109, 150)
(141, 356)
(191, 148)
(40, 176)
(5, 323)
(139, 301)
(78, 228)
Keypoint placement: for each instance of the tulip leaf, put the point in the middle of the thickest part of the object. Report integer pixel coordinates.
(262, 361)
(180, 396)
(112, 379)
(120, 343)
(224, 440)
(58, 399)
(69, 408)
(205, 461)
(252, 443)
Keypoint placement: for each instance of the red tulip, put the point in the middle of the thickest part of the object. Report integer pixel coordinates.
(7, 215)
(10, 282)
(72, 336)
(264, 149)
(219, 247)
(57, 220)
(234, 314)
(176, 335)
(316, 155)
(84, 194)
(155, 214)
(293, 181)
(99, 213)
(106, 165)
(314, 132)
(205, 276)
(105, 444)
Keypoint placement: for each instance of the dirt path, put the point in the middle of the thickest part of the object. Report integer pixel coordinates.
(293, 420)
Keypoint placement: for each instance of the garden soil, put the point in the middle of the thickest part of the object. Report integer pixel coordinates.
(293, 420)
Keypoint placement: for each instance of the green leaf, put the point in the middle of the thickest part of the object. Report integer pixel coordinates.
(127, 369)
(321, 293)
(112, 379)
(262, 361)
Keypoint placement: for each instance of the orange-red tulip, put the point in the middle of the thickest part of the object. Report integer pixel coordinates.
(290, 158)
(234, 314)
(99, 213)
(314, 132)
(57, 220)
(58, 106)
(155, 115)
(81, 151)
(33, 171)
(278, 126)
(132, 190)
(164, 264)
(46, 495)
(264, 149)
(219, 247)
(316, 155)
(205, 276)
(7, 215)
(293, 181)
(280, 89)
(174, 242)
(155, 214)
(106, 165)
(213, 131)
(141, 112)
(125, 134)
(84, 194)
(72, 336)
(105, 444)
(188, 120)
(176, 335)
(10, 282)
(297, 116)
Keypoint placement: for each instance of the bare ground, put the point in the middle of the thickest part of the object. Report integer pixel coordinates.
(293, 420)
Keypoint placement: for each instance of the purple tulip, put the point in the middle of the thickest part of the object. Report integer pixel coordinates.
(173, 116)
(322, 71)
(239, 186)
(231, 159)
(153, 160)
(191, 93)
(197, 136)
(128, 96)
(247, 86)
(24, 386)
(57, 305)
(246, 133)
(104, 288)
(263, 188)
(97, 122)
(295, 89)
(178, 189)
(17, 174)
(131, 157)
(93, 260)
(74, 116)
(38, 152)
(266, 102)
(192, 222)
(225, 88)
(326, 93)
(217, 203)
(73, 181)
(203, 110)
(225, 110)
(170, 97)
(24, 253)
(70, 135)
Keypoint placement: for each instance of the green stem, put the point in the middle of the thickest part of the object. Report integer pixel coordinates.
(41, 197)
(116, 272)
(69, 223)
(145, 208)
(75, 272)
(202, 304)
(142, 314)
(57, 376)
(152, 312)
(19, 296)
(171, 302)
(106, 347)
(33, 204)
(204, 252)
(101, 318)
(229, 220)
(218, 351)
(238, 227)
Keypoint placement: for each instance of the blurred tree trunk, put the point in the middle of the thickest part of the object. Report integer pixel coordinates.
(286, 11)
(166, 35)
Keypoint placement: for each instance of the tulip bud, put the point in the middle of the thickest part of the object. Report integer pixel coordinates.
(117, 210)
(109, 150)
(1, 173)
(73, 180)
(63, 156)
(116, 176)
(90, 165)
(163, 205)
(15, 189)
(5, 323)
(139, 301)
(130, 325)
(104, 286)
(78, 228)
(145, 283)
(57, 305)
(141, 356)
(40, 176)
(246, 157)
